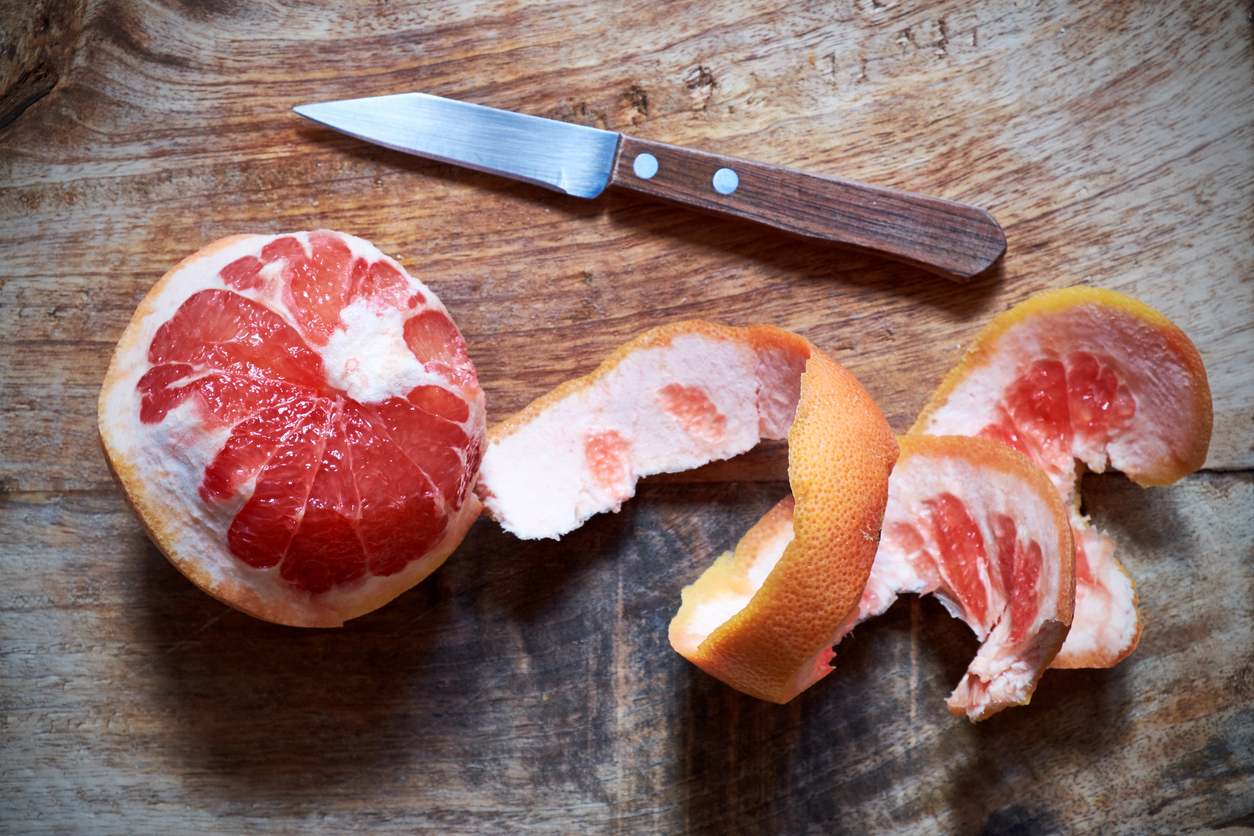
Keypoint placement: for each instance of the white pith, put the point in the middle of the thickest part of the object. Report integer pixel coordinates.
(705, 607)
(537, 481)
(368, 359)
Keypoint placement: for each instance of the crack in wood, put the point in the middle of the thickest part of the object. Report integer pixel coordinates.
(33, 85)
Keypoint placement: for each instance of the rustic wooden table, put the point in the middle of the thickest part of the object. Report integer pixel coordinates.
(530, 686)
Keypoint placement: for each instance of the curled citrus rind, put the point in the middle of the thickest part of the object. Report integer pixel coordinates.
(674, 398)
(1137, 397)
(764, 617)
(680, 396)
(982, 527)
(1084, 377)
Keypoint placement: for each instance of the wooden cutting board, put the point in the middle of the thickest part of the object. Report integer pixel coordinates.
(529, 686)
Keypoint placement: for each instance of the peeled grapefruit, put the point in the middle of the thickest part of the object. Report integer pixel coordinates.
(1084, 377)
(680, 396)
(983, 528)
(297, 424)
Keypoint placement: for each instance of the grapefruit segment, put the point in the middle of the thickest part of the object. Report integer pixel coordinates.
(1075, 378)
(262, 530)
(982, 527)
(282, 439)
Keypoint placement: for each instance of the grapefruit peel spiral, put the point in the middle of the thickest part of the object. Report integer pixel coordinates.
(685, 394)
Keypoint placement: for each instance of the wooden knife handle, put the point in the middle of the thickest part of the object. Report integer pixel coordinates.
(950, 239)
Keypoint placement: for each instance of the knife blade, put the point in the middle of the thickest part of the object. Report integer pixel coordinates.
(950, 239)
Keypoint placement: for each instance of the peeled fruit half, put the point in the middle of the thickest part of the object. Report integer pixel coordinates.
(297, 424)
(680, 396)
(982, 527)
(1084, 377)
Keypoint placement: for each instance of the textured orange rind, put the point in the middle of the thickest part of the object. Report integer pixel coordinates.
(841, 451)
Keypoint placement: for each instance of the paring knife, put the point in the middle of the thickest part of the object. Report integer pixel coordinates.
(950, 239)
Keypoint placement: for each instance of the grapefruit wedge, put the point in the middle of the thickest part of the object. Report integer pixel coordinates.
(297, 424)
(983, 528)
(680, 396)
(1078, 378)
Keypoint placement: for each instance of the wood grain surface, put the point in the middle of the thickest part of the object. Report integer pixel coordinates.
(529, 687)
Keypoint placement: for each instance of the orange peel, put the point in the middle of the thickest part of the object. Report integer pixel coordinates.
(798, 601)
(674, 398)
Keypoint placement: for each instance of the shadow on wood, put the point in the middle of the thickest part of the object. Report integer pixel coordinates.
(265, 709)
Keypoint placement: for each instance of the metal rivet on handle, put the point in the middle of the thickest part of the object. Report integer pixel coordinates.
(644, 165)
(725, 181)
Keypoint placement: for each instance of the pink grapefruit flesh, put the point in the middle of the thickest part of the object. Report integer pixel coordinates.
(298, 424)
